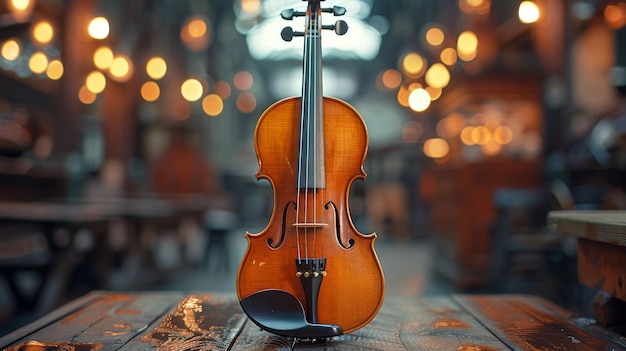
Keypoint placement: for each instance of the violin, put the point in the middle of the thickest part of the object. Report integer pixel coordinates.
(310, 274)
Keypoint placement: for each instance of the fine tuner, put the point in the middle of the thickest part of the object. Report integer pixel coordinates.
(340, 27)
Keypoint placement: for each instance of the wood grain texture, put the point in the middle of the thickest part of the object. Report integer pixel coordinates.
(196, 322)
(602, 266)
(607, 226)
(529, 323)
(173, 321)
(106, 324)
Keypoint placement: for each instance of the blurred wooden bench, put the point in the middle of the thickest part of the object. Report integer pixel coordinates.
(601, 256)
(169, 320)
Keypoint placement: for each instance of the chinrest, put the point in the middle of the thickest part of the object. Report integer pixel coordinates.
(281, 313)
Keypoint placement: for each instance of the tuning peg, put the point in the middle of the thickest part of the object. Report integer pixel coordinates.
(287, 34)
(340, 27)
(289, 14)
(336, 10)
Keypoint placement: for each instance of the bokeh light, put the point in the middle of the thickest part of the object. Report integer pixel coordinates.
(246, 102)
(98, 28)
(467, 45)
(85, 96)
(103, 57)
(436, 148)
(528, 12)
(435, 36)
(413, 64)
(96, 82)
(121, 68)
(448, 56)
(419, 100)
(156, 68)
(43, 32)
(192, 90)
(11, 49)
(150, 91)
(391, 79)
(38, 62)
(55, 69)
(437, 76)
(243, 80)
(212, 105)
(195, 33)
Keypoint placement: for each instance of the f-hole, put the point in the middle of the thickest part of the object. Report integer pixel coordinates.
(338, 226)
(283, 231)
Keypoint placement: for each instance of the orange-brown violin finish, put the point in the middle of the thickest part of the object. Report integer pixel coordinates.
(312, 221)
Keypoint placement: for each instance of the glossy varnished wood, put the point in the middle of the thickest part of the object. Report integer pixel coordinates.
(174, 321)
(353, 289)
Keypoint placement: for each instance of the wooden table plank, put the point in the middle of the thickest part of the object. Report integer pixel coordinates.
(529, 323)
(608, 226)
(172, 321)
(424, 324)
(106, 324)
(197, 322)
(49, 318)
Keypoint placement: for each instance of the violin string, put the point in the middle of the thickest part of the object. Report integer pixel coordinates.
(314, 75)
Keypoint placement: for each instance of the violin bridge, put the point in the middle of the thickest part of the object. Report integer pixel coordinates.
(310, 225)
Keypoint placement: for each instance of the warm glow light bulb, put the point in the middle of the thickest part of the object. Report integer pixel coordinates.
(85, 96)
(197, 28)
(419, 100)
(38, 62)
(467, 45)
(96, 82)
(448, 56)
(392, 79)
(11, 50)
(121, 68)
(437, 76)
(103, 57)
(20, 4)
(212, 105)
(191, 90)
(150, 91)
(98, 28)
(20, 9)
(43, 32)
(528, 12)
(436, 148)
(156, 68)
(435, 36)
(55, 70)
(413, 64)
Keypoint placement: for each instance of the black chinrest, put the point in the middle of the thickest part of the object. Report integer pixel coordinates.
(281, 313)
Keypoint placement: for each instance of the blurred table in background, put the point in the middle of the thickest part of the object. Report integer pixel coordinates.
(601, 255)
(53, 237)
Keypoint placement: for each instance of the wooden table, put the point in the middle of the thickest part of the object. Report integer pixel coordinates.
(50, 217)
(203, 321)
(601, 255)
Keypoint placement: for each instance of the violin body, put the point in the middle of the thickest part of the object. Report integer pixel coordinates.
(310, 274)
(353, 288)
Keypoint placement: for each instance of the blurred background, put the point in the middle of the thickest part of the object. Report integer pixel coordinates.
(127, 156)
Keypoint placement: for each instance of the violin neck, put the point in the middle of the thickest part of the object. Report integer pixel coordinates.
(311, 173)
